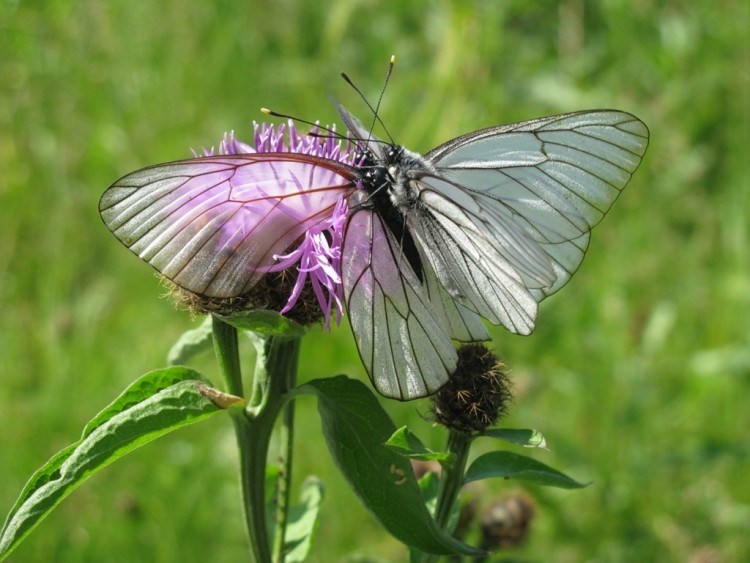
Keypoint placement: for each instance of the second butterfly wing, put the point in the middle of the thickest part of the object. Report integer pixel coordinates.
(212, 225)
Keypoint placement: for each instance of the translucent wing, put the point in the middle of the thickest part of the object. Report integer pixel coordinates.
(212, 225)
(532, 191)
(401, 336)
(461, 323)
(361, 133)
(473, 264)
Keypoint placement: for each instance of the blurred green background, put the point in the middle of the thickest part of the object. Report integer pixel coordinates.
(638, 372)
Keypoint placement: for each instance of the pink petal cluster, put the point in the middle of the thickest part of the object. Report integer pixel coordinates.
(318, 256)
(319, 259)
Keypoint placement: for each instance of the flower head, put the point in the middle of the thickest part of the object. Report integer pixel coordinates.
(316, 256)
(319, 259)
(506, 522)
(477, 395)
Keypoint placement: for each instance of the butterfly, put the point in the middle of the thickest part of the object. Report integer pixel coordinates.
(485, 225)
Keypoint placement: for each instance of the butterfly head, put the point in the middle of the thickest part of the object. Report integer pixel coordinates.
(376, 178)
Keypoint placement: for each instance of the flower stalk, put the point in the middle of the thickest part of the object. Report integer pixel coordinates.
(275, 375)
(451, 481)
(459, 444)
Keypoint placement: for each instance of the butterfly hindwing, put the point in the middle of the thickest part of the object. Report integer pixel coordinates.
(472, 272)
(404, 348)
(461, 323)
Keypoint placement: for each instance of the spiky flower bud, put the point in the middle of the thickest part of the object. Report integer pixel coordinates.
(478, 393)
(505, 523)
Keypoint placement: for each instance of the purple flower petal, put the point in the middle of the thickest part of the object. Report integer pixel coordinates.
(318, 256)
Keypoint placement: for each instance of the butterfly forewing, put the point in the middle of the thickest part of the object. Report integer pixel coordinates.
(212, 225)
(555, 177)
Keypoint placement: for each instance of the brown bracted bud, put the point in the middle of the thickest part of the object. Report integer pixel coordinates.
(478, 393)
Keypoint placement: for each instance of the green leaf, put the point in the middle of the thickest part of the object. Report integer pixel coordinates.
(141, 389)
(356, 428)
(303, 520)
(191, 343)
(269, 323)
(528, 438)
(404, 442)
(511, 465)
(154, 405)
(429, 484)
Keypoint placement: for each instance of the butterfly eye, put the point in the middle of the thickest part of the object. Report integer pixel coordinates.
(376, 176)
(363, 157)
(394, 154)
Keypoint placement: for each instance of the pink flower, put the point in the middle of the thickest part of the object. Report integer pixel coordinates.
(318, 256)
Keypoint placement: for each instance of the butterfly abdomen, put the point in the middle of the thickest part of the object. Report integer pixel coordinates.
(396, 223)
(390, 198)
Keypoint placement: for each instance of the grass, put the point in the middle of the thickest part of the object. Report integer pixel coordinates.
(638, 372)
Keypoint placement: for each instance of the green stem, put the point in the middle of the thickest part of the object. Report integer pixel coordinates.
(282, 356)
(286, 435)
(226, 348)
(451, 481)
(275, 374)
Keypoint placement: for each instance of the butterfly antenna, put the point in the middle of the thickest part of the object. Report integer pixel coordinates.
(332, 133)
(376, 109)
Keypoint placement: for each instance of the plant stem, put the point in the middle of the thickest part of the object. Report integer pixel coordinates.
(275, 374)
(451, 481)
(453, 477)
(286, 435)
(282, 356)
(226, 349)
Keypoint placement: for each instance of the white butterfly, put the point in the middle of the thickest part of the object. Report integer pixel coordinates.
(500, 218)
(485, 225)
